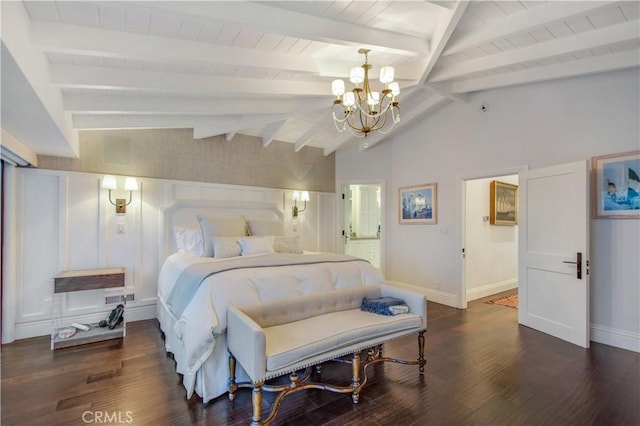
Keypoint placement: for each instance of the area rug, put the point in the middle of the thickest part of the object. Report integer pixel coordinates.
(510, 301)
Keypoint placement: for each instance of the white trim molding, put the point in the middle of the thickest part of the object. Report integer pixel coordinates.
(615, 337)
(435, 296)
(490, 289)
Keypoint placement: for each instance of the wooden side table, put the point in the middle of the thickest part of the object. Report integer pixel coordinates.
(84, 280)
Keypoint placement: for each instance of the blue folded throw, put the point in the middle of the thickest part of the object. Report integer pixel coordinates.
(384, 306)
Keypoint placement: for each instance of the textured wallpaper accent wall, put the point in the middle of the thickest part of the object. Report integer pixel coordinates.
(174, 154)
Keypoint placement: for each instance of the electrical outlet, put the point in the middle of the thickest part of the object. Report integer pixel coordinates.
(438, 285)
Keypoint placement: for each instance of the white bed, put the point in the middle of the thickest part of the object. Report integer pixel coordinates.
(195, 331)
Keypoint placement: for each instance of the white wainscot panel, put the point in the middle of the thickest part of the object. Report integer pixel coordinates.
(39, 233)
(83, 222)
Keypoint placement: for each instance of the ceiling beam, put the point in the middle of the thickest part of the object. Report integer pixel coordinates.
(528, 20)
(611, 62)
(119, 121)
(270, 131)
(583, 41)
(339, 141)
(441, 36)
(26, 89)
(130, 104)
(295, 24)
(73, 76)
(77, 40)
(236, 125)
(307, 136)
(444, 90)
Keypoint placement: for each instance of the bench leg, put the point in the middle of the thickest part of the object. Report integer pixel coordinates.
(421, 360)
(318, 371)
(233, 386)
(355, 383)
(256, 399)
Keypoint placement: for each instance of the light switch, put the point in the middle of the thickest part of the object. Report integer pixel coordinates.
(120, 228)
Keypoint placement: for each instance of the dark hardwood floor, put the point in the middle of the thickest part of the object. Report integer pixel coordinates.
(482, 369)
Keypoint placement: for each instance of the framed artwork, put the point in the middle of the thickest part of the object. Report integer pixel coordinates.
(418, 204)
(615, 185)
(503, 203)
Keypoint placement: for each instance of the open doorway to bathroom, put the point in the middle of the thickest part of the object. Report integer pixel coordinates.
(362, 220)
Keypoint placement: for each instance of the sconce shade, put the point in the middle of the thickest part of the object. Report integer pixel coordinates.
(109, 182)
(130, 184)
(304, 196)
(296, 195)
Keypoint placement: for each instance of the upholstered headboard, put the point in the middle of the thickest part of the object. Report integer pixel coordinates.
(182, 214)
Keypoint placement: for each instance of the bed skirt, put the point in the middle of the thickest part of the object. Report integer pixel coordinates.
(210, 380)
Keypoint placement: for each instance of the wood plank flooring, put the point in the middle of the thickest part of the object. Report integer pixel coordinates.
(482, 369)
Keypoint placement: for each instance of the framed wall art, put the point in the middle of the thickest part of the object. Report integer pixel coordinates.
(503, 205)
(615, 185)
(418, 204)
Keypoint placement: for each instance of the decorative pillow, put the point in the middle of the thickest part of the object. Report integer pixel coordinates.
(226, 247)
(220, 227)
(256, 245)
(287, 245)
(265, 227)
(188, 240)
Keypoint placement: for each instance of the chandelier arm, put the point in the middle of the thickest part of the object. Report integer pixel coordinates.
(382, 111)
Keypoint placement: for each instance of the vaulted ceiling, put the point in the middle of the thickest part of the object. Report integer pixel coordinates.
(265, 68)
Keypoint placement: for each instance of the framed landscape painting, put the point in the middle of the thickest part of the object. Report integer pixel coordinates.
(503, 205)
(615, 185)
(418, 204)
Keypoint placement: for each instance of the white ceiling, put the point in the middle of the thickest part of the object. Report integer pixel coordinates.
(265, 68)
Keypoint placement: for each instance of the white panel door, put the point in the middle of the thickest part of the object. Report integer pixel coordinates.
(554, 228)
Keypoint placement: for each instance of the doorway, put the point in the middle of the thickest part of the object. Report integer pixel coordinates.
(489, 251)
(362, 218)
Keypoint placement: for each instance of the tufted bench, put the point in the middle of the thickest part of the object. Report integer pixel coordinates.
(274, 338)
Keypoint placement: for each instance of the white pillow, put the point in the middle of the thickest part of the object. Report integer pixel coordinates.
(265, 227)
(188, 240)
(287, 245)
(256, 245)
(220, 227)
(226, 247)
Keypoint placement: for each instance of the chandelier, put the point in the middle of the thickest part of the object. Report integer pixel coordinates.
(362, 110)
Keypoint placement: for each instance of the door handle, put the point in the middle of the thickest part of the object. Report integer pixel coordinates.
(578, 264)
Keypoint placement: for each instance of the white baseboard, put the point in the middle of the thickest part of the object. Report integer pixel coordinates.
(613, 337)
(43, 327)
(493, 288)
(436, 296)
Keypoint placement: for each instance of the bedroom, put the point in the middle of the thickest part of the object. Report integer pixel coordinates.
(69, 223)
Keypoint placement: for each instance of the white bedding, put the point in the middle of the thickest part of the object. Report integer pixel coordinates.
(196, 336)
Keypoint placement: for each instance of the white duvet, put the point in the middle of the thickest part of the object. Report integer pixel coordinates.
(205, 316)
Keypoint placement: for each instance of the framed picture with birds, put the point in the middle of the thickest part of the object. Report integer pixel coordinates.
(615, 185)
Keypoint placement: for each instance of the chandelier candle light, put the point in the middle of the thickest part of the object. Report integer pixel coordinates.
(364, 110)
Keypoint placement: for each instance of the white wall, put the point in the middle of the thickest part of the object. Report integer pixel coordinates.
(60, 220)
(491, 251)
(533, 125)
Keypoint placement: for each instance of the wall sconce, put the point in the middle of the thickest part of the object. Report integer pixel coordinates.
(302, 196)
(130, 184)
